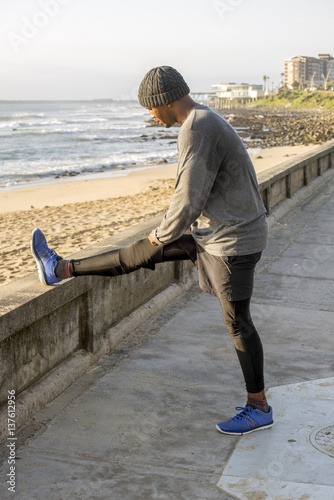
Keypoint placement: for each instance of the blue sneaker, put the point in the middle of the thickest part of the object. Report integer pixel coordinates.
(46, 258)
(248, 420)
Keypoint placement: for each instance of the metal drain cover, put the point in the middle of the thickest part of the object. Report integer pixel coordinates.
(323, 440)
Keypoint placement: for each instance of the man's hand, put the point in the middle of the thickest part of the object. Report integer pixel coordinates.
(151, 238)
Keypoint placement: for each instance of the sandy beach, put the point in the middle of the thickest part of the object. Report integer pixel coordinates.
(77, 213)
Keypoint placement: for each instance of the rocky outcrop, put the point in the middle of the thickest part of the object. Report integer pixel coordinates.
(260, 127)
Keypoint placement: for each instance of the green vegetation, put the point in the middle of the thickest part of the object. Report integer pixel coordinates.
(302, 99)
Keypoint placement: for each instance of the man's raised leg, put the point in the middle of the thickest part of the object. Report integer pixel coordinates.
(141, 254)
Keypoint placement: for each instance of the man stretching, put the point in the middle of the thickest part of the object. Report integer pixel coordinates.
(216, 197)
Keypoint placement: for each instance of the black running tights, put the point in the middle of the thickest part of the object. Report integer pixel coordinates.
(236, 314)
(246, 341)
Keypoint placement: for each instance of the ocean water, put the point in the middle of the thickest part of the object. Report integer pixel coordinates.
(44, 140)
(41, 141)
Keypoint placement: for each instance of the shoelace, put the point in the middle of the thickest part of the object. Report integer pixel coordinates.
(50, 253)
(246, 411)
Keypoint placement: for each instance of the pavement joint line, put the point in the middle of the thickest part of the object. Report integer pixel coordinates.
(57, 456)
(259, 302)
(272, 273)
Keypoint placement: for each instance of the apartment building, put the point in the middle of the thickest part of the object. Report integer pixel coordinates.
(329, 69)
(310, 71)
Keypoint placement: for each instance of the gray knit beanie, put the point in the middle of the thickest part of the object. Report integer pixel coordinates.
(162, 85)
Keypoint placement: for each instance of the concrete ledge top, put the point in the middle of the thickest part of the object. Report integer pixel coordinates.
(266, 177)
(32, 299)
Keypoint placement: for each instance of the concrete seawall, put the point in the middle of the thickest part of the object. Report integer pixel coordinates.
(287, 179)
(49, 336)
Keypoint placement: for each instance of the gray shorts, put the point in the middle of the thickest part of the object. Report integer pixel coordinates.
(228, 278)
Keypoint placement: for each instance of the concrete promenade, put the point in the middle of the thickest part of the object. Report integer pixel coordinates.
(140, 425)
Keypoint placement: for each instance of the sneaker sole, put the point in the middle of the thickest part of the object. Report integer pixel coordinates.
(230, 433)
(40, 267)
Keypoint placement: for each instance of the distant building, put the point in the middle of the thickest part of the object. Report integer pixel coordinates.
(239, 93)
(206, 98)
(329, 68)
(309, 71)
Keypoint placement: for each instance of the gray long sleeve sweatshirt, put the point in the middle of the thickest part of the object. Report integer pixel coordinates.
(216, 192)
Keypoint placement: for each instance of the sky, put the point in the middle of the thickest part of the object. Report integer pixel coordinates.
(99, 49)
